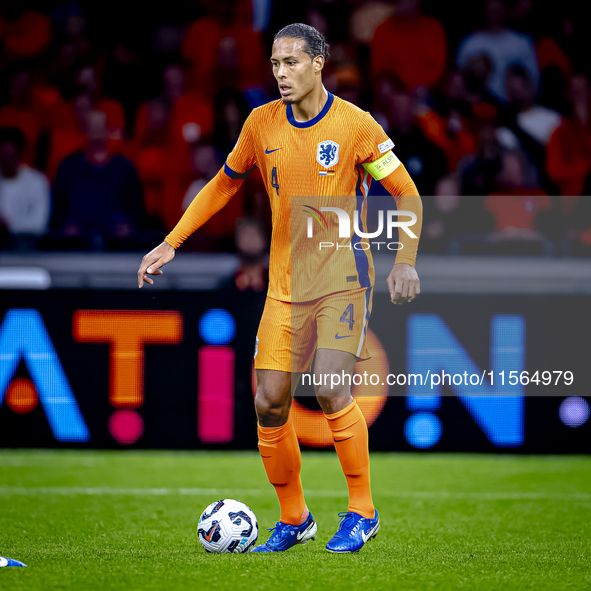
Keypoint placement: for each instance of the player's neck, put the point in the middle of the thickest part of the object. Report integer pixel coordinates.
(310, 106)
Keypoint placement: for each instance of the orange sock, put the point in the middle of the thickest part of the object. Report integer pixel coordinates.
(349, 433)
(280, 452)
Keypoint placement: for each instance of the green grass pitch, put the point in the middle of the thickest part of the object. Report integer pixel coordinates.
(127, 520)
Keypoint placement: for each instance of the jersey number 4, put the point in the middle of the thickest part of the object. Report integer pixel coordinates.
(347, 316)
(274, 182)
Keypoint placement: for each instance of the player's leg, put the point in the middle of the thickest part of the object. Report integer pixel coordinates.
(348, 427)
(344, 417)
(278, 443)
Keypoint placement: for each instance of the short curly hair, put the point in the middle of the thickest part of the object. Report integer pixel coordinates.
(315, 42)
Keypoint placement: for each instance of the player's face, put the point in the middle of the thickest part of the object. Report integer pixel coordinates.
(295, 72)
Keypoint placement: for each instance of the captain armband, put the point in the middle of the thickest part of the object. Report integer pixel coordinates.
(383, 166)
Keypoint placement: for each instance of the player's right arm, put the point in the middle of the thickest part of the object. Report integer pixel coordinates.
(240, 163)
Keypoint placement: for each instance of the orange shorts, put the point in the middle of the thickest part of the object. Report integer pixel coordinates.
(290, 333)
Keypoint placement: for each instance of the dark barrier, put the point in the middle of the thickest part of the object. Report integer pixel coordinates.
(173, 370)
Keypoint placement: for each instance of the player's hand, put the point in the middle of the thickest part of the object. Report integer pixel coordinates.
(152, 262)
(403, 284)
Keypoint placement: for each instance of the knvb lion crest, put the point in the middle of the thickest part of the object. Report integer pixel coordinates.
(327, 153)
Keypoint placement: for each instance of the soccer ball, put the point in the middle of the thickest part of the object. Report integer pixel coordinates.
(228, 526)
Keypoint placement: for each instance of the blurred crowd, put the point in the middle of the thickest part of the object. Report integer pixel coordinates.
(113, 115)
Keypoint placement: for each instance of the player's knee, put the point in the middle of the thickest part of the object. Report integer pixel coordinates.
(328, 391)
(272, 410)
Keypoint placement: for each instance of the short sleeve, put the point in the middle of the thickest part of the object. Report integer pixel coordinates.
(242, 159)
(372, 140)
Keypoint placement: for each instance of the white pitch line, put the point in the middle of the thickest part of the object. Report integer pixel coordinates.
(106, 490)
(238, 492)
(46, 462)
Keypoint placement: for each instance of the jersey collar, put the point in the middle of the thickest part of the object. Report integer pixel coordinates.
(316, 119)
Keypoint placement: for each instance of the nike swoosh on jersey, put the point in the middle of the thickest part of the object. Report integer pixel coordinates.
(301, 534)
(267, 151)
(345, 336)
(370, 533)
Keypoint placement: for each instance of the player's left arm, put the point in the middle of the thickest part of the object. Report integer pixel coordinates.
(403, 282)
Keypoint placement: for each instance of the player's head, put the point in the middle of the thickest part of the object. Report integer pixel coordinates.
(299, 53)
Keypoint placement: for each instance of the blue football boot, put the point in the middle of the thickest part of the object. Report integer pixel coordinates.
(10, 562)
(353, 532)
(285, 536)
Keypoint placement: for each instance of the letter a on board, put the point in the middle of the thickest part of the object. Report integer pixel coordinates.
(23, 335)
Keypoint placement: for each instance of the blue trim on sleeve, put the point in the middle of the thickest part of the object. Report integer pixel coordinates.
(237, 175)
(303, 124)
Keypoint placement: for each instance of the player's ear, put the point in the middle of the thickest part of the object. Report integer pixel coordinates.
(318, 63)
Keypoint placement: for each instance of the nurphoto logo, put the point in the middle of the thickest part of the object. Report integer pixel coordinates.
(344, 221)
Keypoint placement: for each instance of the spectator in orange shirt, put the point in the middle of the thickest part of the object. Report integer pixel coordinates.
(410, 44)
(27, 33)
(223, 49)
(70, 138)
(164, 133)
(520, 208)
(173, 88)
(87, 82)
(192, 118)
(192, 145)
(516, 201)
(152, 159)
(568, 155)
(166, 128)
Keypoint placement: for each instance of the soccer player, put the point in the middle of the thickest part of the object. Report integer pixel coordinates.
(311, 143)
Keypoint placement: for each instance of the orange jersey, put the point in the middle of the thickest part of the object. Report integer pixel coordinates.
(317, 164)
(328, 161)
